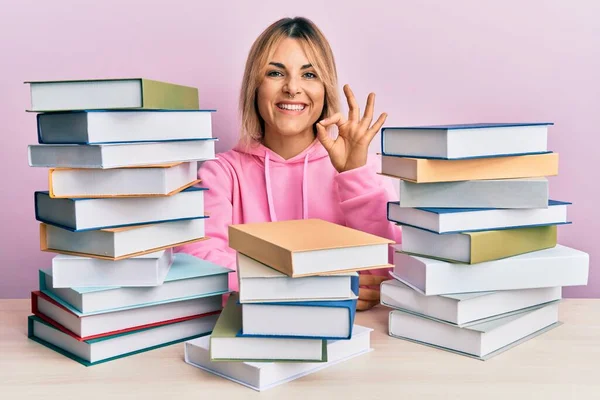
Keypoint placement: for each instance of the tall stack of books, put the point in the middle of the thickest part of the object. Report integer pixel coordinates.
(479, 269)
(294, 313)
(123, 159)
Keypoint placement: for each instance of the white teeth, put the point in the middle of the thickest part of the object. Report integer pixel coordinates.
(292, 107)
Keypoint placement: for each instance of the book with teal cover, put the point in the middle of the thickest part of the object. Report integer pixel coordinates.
(185, 266)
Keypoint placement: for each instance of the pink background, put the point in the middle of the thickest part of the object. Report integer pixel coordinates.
(429, 62)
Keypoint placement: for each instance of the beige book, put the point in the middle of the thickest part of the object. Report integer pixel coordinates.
(309, 247)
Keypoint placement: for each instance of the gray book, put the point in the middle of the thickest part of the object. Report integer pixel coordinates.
(494, 193)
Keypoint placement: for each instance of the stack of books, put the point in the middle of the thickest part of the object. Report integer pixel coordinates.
(294, 313)
(123, 159)
(479, 269)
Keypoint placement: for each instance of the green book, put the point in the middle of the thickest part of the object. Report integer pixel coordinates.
(111, 94)
(477, 247)
(227, 345)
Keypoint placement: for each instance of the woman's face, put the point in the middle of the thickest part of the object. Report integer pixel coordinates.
(291, 96)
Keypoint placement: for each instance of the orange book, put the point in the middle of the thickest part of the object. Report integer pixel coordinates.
(420, 170)
(309, 247)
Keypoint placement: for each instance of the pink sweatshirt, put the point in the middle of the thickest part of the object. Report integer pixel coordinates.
(260, 186)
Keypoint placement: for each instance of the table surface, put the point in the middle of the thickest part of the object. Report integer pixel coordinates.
(562, 363)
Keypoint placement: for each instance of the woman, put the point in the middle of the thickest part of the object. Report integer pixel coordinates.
(286, 166)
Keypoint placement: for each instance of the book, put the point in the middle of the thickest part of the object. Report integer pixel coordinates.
(189, 277)
(117, 155)
(120, 243)
(146, 270)
(146, 181)
(264, 376)
(455, 220)
(259, 283)
(309, 247)
(492, 193)
(226, 345)
(477, 247)
(557, 266)
(465, 140)
(95, 351)
(307, 319)
(464, 309)
(99, 213)
(100, 127)
(93, 94)
(421, 170)
(93, 326)
(482, 341)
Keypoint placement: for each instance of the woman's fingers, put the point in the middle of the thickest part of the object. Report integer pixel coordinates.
(368, 117)
(372, 131)
(337, 119)
(368, 294)
(353, 109)
(371, 280)
(362, 305)
(324, 137)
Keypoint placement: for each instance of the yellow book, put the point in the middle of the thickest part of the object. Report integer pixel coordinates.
(309, 247)
(420, 170)
(477, 247)
(111, 94)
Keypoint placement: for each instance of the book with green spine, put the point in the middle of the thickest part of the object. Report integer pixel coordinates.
(226, 345)
(477, 247)
(111, 94)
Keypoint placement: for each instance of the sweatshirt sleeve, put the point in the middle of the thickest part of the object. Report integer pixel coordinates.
(218, 206)
(364, 195)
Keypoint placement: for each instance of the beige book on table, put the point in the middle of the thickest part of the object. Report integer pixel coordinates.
(309, 247)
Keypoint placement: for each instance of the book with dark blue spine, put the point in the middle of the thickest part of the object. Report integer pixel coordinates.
(455, 220)
(83, 214)
(463, 141)
(310, 319)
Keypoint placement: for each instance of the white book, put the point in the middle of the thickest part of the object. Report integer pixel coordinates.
(481, 341)
(118, 243)
(455, 220)
(119, 154)
(103, 324)
(557, 266)
(259, 283)
(465, 141)
(146, 270)
(189, 277)
(266, 375)
(314, 319)
(98, 350)
(464, 309)
(99, 213)
(487, 193)
(159, 180)
(95, 127)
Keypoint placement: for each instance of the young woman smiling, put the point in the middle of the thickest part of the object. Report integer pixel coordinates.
(286, 165)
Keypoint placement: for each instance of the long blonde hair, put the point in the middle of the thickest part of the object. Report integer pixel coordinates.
(319, 54)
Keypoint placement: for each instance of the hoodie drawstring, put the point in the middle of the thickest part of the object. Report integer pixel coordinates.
(270, 192)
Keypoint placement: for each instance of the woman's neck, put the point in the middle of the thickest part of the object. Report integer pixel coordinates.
(288, 146)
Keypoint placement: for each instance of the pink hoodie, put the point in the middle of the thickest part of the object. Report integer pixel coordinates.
(259, 186)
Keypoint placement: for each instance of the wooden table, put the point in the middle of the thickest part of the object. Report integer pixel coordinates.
(560, 364)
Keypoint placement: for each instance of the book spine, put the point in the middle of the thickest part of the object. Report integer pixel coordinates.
(161, 95)
(267, 253)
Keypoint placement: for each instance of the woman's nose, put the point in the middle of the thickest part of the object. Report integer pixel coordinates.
(292, 86)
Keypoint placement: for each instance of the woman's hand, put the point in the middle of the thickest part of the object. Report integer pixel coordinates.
(368, 298)
(350, 148)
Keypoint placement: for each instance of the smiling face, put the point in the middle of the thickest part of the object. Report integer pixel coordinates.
(291, 96)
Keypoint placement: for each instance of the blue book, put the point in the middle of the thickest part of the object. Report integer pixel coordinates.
(189, 277)
(84, 214)
(455, 220)
(464, 141)
(95, 351)
(123, 126)
(305, 319)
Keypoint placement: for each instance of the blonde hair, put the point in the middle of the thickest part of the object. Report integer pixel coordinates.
(319, 54)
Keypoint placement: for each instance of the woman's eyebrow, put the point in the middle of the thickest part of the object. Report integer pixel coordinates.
(280, 65)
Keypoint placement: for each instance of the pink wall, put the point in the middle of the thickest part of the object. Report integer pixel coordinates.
(428, 61)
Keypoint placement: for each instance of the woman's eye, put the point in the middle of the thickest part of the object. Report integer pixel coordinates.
(310, 75)
(274, 73)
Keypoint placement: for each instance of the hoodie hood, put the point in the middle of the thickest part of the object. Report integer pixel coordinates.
(312, 153)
